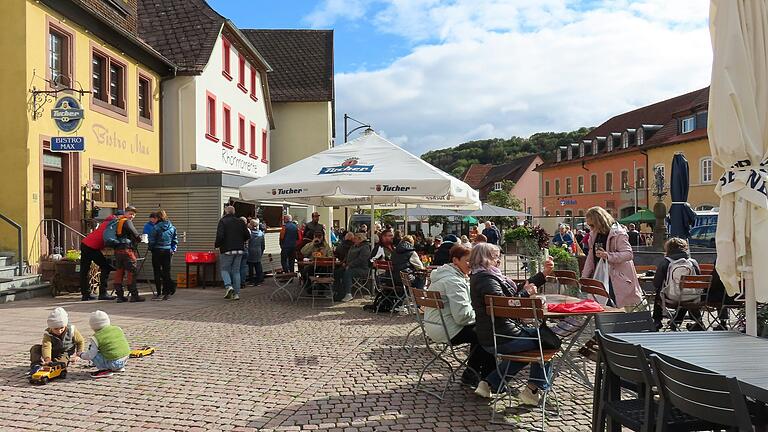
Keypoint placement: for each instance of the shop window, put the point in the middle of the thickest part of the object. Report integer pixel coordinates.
(227, 142)
(241, 133)
(226, 48)
(210, 118)
(108, 82)
(253, 141)
(264, 146)
(608, 182)
(241, 75)
(59, 57)
(580, 185)
(253, 84)
(105, 188)
(145, 99)
(593, 183)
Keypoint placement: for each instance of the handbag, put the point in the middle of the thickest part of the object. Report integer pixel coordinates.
(603, 274)
(549, 339)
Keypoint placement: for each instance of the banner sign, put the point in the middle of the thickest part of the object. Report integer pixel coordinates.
(68, 144)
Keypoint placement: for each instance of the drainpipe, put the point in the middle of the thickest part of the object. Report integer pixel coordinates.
(180, 129)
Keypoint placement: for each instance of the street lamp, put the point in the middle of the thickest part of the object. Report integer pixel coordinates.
(348, 133)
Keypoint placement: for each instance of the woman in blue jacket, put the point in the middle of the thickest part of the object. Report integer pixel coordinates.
(163, 243)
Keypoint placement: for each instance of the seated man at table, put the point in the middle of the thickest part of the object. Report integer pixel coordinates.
(343, 248)
(317, 248)
(356, 265)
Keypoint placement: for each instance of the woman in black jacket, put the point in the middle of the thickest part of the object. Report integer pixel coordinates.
(487, 279)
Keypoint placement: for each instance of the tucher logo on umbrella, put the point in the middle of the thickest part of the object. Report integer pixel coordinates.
(393, 188)
(349, 165)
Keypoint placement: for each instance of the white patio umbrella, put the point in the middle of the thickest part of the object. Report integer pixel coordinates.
(738, 138)
(490, 210)
(366, 170)
(424, 211)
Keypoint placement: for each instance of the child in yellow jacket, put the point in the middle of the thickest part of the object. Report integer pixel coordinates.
(62, 342)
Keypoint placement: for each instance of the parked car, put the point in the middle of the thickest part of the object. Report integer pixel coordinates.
(708, 217)
(703, 236)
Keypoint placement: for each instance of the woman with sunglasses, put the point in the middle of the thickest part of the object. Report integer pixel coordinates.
(488, 279)
(609, 241)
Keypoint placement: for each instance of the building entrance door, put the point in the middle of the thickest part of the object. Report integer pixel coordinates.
(53, 194)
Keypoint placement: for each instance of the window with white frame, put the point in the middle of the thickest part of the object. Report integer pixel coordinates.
(706, 170)
(580, 185)
(625, 180)
(687, 124)
(497, 186)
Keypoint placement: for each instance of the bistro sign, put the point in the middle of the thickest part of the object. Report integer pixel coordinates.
(67, 114)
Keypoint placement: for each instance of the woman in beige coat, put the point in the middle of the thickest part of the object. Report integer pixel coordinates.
(609, 241)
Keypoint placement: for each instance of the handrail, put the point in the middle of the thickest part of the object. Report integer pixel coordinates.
(19, 242)
(54, 236)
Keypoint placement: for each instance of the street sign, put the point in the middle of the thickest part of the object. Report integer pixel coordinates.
(68, 144)
(566, 202)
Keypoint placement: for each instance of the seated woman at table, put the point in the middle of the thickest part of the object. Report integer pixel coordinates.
(317, 248)
(676, 259)
(405, 259)
(487, 279)
(609, 241)
(451, 281)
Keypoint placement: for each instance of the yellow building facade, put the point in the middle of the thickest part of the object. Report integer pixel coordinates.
(703, 174)
(56, 50)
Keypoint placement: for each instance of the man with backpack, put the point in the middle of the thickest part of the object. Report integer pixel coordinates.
(90, 251)
(122, 235)
(677, 263)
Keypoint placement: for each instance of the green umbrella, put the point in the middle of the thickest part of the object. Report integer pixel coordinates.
(470, 220)
(643, 215)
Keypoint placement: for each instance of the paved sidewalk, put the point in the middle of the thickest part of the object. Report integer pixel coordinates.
(248, 365)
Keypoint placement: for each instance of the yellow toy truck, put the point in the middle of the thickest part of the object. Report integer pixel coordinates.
(48, 373)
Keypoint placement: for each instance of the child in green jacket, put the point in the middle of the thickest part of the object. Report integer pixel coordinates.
(108, 349)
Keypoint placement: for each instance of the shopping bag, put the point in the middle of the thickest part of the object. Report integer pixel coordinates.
(603, 274)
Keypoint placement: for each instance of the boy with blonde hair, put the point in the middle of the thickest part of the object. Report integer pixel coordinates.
(61, 342)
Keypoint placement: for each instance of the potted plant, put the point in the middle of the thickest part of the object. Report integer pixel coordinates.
(528, 242)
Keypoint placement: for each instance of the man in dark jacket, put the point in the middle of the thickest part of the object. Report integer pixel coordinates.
(357, 264)
(634, 235)
(443, 252)
(491, 233)
(163, 243)
(405, 259)
(289, 239)
(314, 226)
(125, 257)
(231, 235)
(343, 248)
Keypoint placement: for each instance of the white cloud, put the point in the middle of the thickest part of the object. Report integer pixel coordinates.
(495, 68)
(330, 11)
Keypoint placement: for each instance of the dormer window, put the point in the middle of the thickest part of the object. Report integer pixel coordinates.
(609, 143)
(497, 186)
(639, 138)
(581, 150)
(626, 138)
(569, 152)
(560, 150)
(687, 124)
(596, 144)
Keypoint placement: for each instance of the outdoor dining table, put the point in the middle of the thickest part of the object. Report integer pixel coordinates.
(567, 359)
(732, 354)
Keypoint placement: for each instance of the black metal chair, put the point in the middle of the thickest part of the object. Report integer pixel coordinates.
(632, 322)
(715, 400)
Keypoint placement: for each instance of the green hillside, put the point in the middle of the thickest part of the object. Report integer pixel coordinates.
(456, 160)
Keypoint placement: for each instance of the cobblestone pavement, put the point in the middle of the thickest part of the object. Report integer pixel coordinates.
(251, 365)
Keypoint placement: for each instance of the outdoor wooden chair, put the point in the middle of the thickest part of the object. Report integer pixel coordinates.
(594, 288)
(568, 285)
(321, 281)
(694, 287)
(282, 280)
(386, 288)
(411, 307)
(707, 269)
(424, 299)
(528, 309)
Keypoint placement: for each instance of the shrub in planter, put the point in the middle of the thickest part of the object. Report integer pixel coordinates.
(563, 259)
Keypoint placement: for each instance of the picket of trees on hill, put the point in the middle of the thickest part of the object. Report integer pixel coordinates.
(456, 160)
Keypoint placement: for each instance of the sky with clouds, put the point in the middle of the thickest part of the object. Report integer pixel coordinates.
(435, 73)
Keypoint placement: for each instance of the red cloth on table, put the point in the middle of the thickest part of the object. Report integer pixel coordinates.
(582, 306)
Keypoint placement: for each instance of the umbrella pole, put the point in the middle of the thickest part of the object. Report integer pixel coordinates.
(405, 218)
(373, 218)
(750, 305)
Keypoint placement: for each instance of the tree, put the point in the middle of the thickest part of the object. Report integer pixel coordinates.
(504, 198)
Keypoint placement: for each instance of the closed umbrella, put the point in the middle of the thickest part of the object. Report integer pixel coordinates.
(738, 139)
(681, 216)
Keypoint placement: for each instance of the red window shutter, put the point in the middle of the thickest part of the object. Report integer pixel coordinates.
(253, 141)
(264, 146)
(241, 131)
